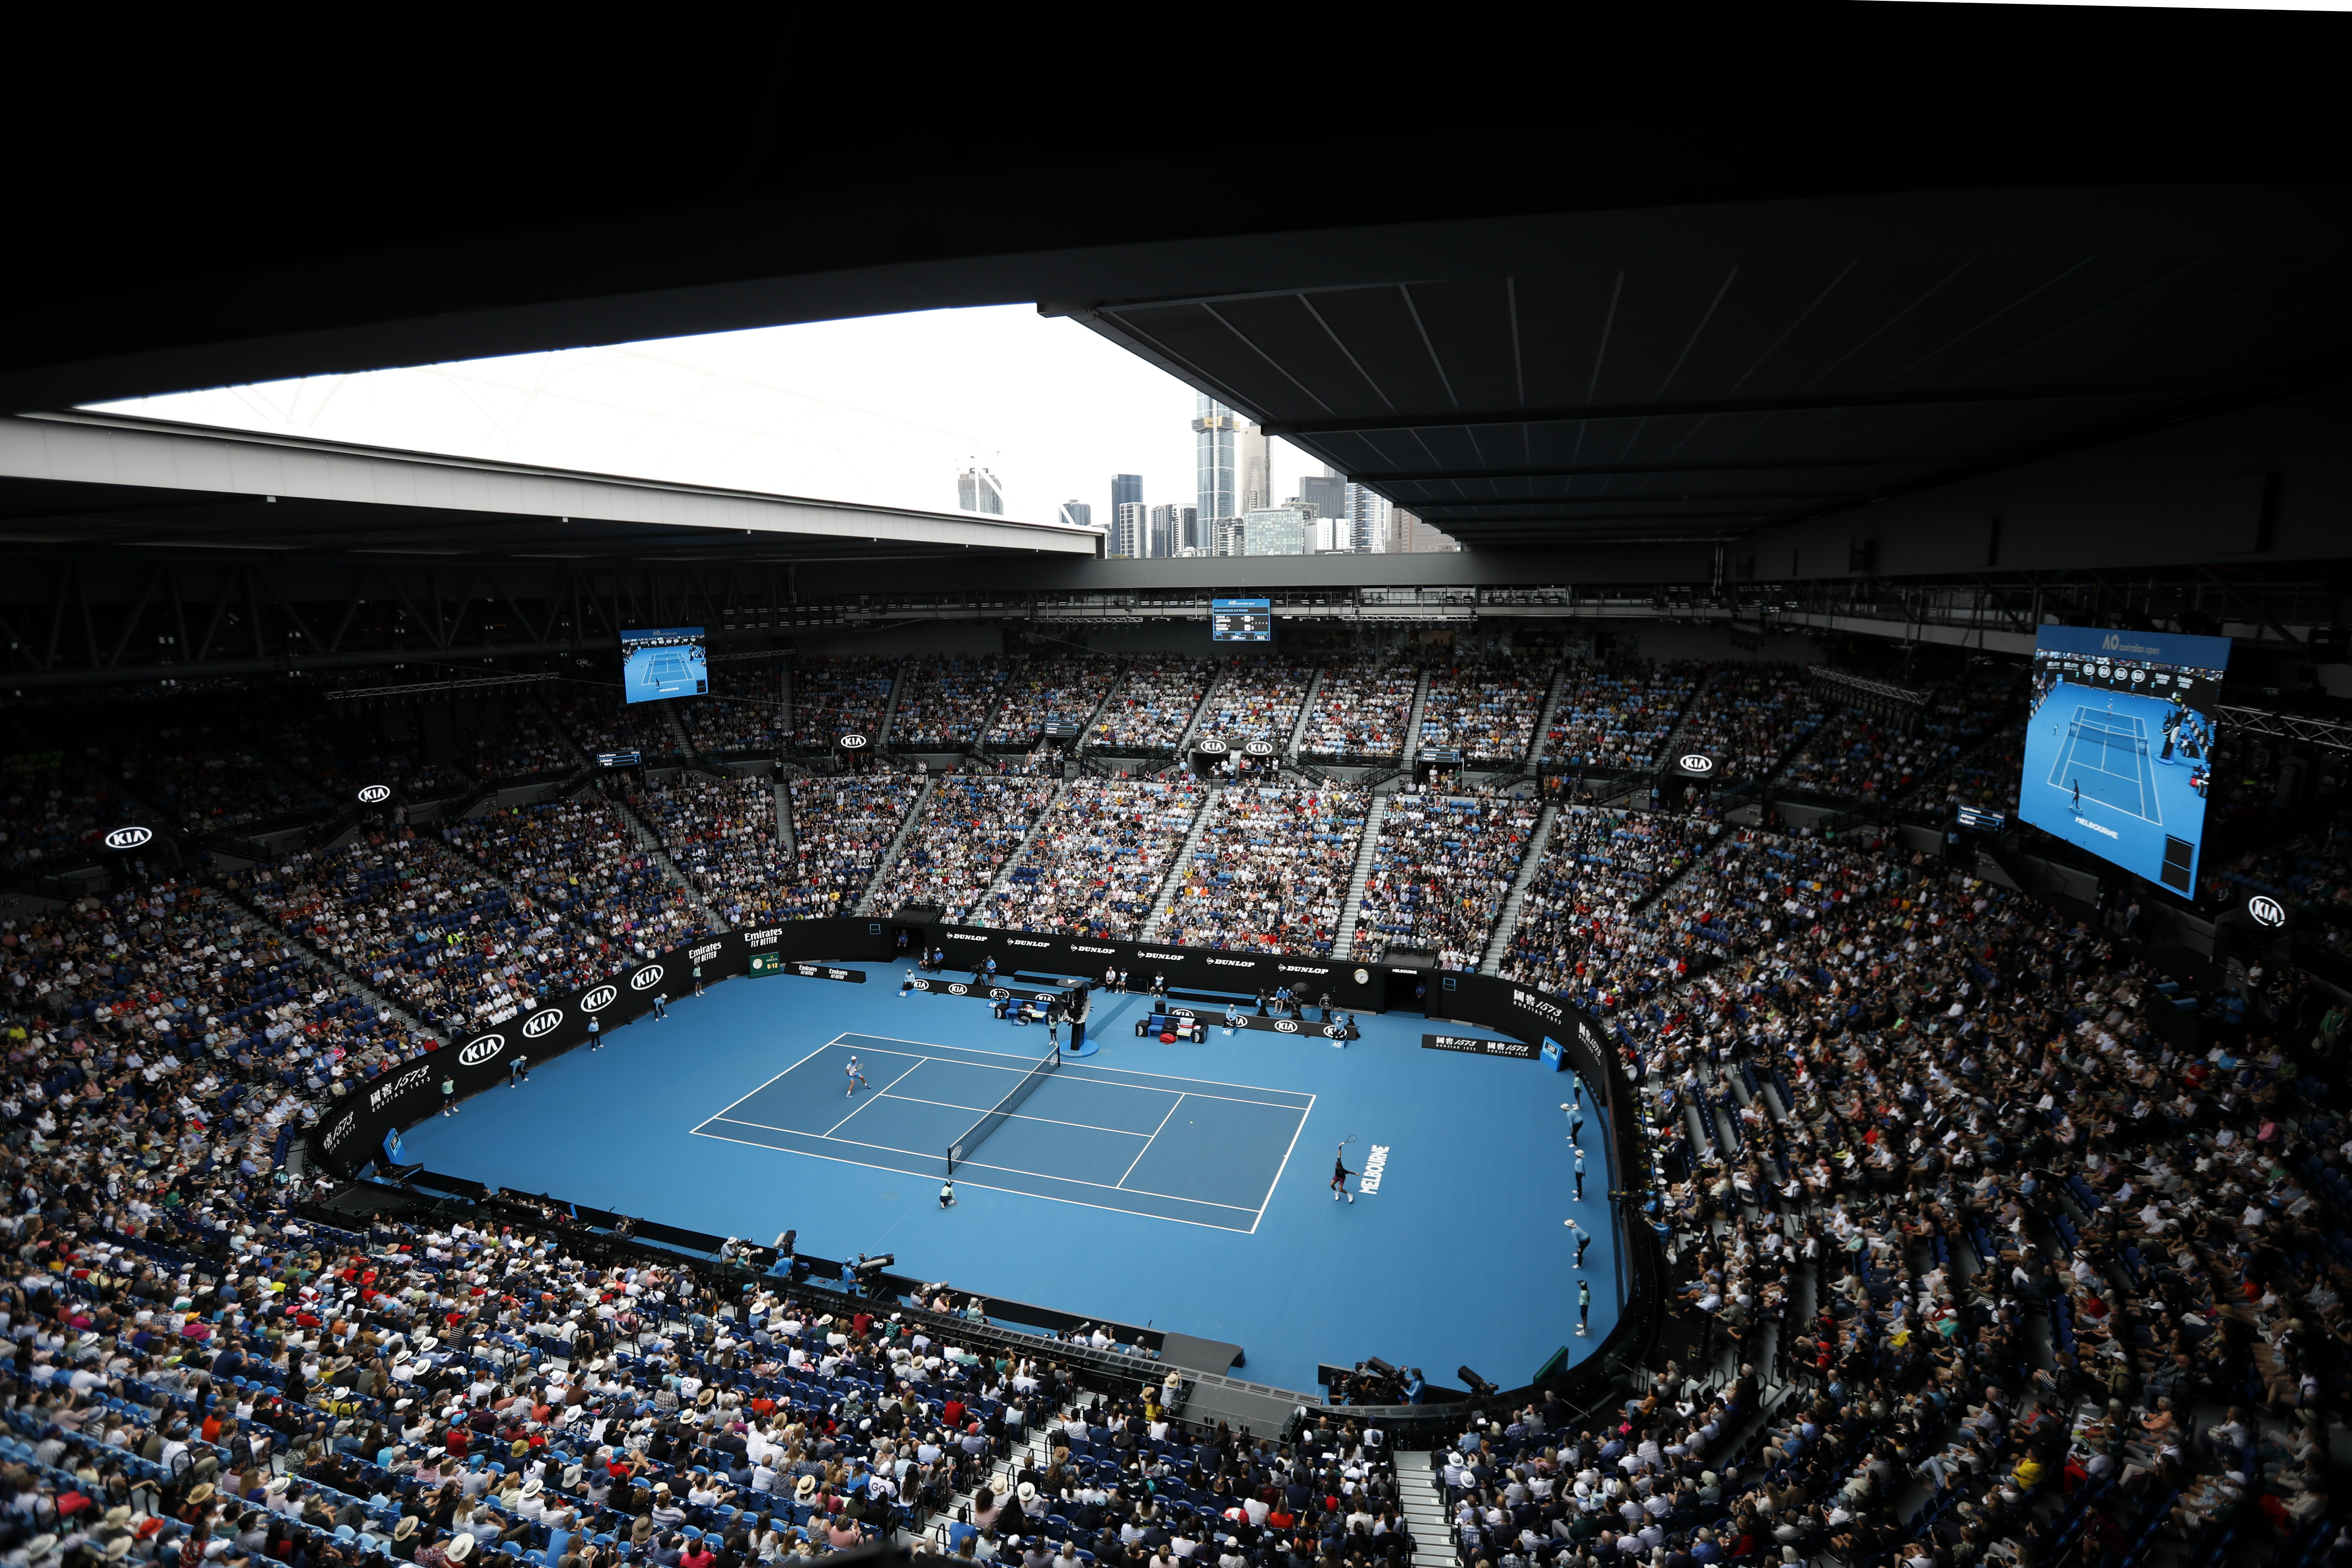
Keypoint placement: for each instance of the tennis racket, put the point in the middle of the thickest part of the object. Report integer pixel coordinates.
(1350, 1137)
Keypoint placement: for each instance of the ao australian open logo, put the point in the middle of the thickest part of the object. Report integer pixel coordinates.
(129, 838)
(597, 1001)
(2266, 911)
(375, 794)
(645, 979)
(476, 1051)
(542, 1023)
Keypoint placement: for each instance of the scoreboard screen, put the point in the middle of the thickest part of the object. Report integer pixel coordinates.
(664, 661)
(1241, 620)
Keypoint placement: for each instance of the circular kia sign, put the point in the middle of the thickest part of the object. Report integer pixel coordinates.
(852, 742)
(375, 794)
(1259, 749)
(597, 1001)
(645, 979)
(1697, 762)
(2266, 911)
(129, 838)
(478, 1051)
(1213, 746)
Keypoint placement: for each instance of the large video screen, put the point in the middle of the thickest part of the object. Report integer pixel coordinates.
(666, 661)
(2118, 753)
(1241, 620)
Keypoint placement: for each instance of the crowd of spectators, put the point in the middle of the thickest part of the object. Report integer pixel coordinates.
(1270, 870)
(1153, 705)
(1099, 856)
(598, 718)
(1362, 712)
(1614, 717)
(1438, 874)
(525, 739)
(1485, 708)
(837, 696)
(231, 1032)
(967, 831)
(2011, 1217)
(723, 834)
(744, 714)
(1862, 755)
(1257, 700)
(581, 857)
(1978, 720)
(222, 756)
(1747, 716)
(948, 703)
(427, 927)
(55, 812)
(1062, 692)
(1586, 896)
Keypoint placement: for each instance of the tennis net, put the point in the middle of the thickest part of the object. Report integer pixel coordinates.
(961, 1150)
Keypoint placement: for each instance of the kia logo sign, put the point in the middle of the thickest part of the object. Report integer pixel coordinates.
(475, 1052)
(1214, 747)
(129, 838)
(541, 1022)
(1694, 763)
(852, 743)
(375, 794)
(597, 1001)
(2266, 911)
(1286, 1025)
(645, 979)
(1259, 749)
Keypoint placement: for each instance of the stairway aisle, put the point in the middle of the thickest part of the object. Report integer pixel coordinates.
(882, 868)
(1306, 711)
(1543, 719)
(678, 735)
(1181, 865)
(1423, 1507)
(1003, 882)
(651, 843)
(1199, 711)
(784, 839)
(890, 708)
(1344, 944)
(1413, 725)
(1507, 922)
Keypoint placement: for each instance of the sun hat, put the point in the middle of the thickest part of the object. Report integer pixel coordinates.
(459, 1549)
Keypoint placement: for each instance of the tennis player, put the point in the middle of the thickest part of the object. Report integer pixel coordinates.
(857, 1076)
(1339, 1175)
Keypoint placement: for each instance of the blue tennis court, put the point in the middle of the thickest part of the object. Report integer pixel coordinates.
(2105, 756)
(1167, 1148)
(665, 672)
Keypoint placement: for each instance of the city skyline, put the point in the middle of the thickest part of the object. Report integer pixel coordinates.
(878, 410)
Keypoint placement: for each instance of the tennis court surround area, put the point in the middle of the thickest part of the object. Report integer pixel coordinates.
(1188, 1150)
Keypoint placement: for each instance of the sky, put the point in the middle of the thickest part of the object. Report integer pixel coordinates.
(885, 410)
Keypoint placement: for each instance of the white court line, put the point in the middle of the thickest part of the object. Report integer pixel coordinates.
(984, 1164)
(1088, 1067)
(1140, 1153)
(1016, 1116)
(795, 1067)
(880, 1094)
(1017, 1191)
(1284, 1166)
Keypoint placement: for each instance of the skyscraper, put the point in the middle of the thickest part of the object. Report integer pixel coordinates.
(1408, 535)
(1124, 487)
(1130, 529)
(1326, 492)
(1078, 514)
(1276, 531)
(1174, 530)
(1368, 520)
(977, 490)
(1256, 468)
(1214, 427)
